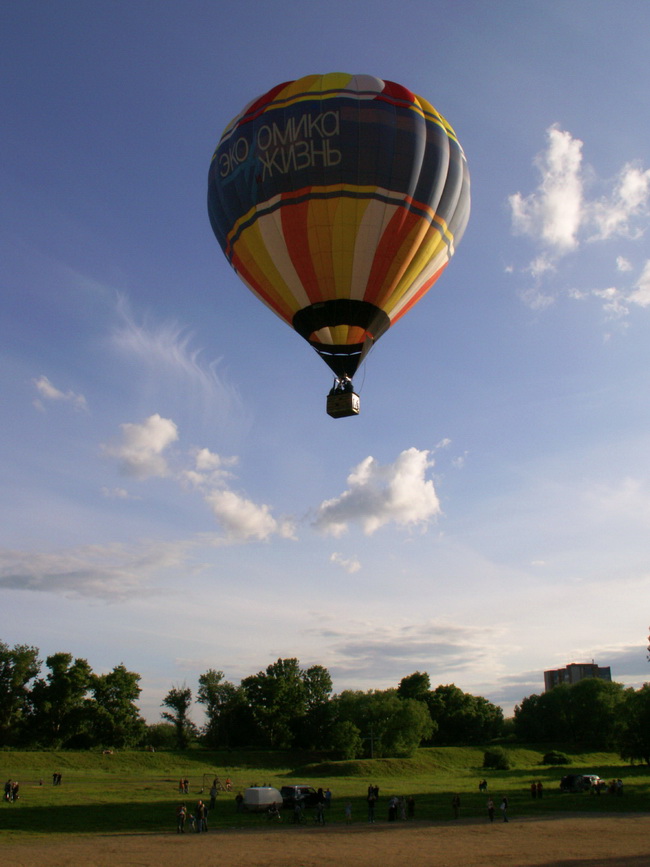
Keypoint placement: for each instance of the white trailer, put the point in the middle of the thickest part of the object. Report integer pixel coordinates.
(258, 799)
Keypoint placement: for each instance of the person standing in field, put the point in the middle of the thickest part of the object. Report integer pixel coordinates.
(199, 814)
(371, 806)
(490, 809)
(181, 816)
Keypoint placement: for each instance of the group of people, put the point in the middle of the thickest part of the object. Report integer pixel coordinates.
(321, 803)
(11, 790)
(536, 790)
(342, 385)
(503, 806)
(613, 788)
(397, 806)
(198, 819)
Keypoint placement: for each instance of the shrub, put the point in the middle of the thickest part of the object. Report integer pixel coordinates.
(555, 758)
(496, 758)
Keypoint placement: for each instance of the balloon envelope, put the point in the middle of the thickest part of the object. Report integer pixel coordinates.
(339, 199)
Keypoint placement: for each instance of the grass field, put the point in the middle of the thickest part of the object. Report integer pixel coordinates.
(130, 792)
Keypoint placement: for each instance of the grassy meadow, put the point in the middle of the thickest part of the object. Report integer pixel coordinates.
(137, 791)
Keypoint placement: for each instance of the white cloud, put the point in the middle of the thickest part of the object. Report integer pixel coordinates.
(349, 564)
(558, 217)
(49, 392)
(142, 447)
(117, 494)
(378, 495)
(628, 501)
(613, 302)
(641, 293)
(536, 299)
(540, 265)
(209, 469)
(613, 214)
(243, 520)
(141, 454)
(552, 214)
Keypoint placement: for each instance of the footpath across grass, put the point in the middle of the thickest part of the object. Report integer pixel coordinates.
(136, 792)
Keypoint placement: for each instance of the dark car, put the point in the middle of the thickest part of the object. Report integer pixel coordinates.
(307, 796)
(575, 783)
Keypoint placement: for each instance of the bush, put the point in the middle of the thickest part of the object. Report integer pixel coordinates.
(555, 758)
(496, 758)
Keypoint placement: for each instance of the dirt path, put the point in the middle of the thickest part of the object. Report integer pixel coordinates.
(588, 841)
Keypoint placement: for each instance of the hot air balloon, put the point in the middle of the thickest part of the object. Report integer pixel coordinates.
(338, 199)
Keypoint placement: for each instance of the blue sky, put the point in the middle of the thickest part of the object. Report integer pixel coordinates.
(174, 495)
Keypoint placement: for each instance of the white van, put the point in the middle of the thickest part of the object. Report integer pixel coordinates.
(258, 799)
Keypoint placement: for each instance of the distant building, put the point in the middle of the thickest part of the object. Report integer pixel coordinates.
(574, 672)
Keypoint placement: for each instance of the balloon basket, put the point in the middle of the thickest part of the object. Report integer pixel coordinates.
(342, 404)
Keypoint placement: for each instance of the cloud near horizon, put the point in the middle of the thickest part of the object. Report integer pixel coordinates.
(111, 573)
(373, 653)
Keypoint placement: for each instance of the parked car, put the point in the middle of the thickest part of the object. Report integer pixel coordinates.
(575, 783)
(306, 795)
(594, 780)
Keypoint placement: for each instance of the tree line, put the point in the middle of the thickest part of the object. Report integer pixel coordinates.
(64, 704)
(592, 714)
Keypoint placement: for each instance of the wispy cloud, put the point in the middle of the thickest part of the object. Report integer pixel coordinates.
(618, 213)
(349, 564)
(117, 494)
(166, 351)
(50, 393)
(108, 572)
(375, 652)
(378, 495)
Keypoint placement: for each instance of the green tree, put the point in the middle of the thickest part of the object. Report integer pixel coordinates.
(18, 666)
(116, 718)
(595, 712)
(634, 739)
(416, 685)
(587, 713)
(545, 717)
(312, 730)
(160, 736)
(389, 725)
(463, 718)
(58, 710)
(225, 711)
(179, 701)
(345, 738)
(287, 703)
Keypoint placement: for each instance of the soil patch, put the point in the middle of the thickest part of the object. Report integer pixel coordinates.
(562, 841)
